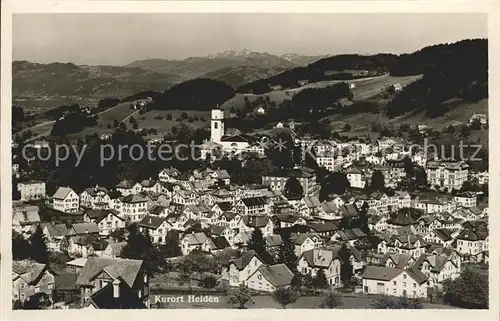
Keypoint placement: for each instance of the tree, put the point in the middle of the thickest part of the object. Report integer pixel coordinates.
(409, 167)
(285, 296)
(347, 128)
(336, 183)
(450, 129)
(293, 187)
(331, 300)
(377, 181)
(286, 252)
(346, 271)
(239, 296)
(115, 123)
(21, 248)
(386, 302)
(363, 218)
(469, 290)
(258, 244)
(39, 251)
(140, 247)
(208, 281)
(320, 280)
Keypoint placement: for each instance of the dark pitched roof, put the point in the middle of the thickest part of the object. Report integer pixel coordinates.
(323, 227)
(100, 245)
(278, 274)
(244, 259)
(472, 235)
(352, 234)
(220, 242)
(103, 299)
(225, 206)
(151, 221)
(416, 274)
(256, 220)
(228, 215)
(254, 201)
(287, 217)
(383, 273)
(402, 218)
(443, 233)
(127, 269)
(133, 198)
(156, 209)
(94, 190)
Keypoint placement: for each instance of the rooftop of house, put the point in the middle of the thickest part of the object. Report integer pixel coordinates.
(278, 275)
(62, 193)
(105, 297)
(126, 269)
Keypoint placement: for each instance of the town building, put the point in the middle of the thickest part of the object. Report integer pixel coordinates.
(31, 190)
(66, 200)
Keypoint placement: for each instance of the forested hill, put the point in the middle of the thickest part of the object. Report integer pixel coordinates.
(341, 67)
(469, 56)
(458, 70)
(196, 94)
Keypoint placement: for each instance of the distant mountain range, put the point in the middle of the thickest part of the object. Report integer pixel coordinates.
(235, 68)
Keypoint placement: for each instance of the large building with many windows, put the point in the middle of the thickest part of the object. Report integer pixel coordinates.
(447, 174)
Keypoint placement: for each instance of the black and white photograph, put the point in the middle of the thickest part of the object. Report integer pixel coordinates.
(249, 161)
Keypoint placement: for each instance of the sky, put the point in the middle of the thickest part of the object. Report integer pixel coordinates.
(118, 39)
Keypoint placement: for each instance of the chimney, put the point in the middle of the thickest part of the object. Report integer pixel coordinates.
(116, 288)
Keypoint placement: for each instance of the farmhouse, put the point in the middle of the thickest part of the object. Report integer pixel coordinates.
(393, 281)
(269, 277)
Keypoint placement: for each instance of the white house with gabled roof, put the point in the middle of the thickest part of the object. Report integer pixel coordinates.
(66, 200)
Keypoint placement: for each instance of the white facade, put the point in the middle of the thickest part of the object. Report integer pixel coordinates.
(217, 125)
(69, 204)
(32, 190)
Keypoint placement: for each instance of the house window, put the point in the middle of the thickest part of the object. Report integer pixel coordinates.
(259, 277)
(37, 289)
(394, 291)
(404, 292)
(404, 276)
(414, 284)
(404, 284)
(49, 286)
(394, 282)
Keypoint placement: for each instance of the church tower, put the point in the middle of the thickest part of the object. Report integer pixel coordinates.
(217, 125)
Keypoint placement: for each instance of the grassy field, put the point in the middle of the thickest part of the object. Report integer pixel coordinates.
(459, 114)
(157, 119)
(266, 302)
(365, 88)
(39, 105)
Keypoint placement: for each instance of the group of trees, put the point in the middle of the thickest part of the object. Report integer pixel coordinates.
(196, 94)
(470, 290)
(140, 247)
(312, 102)
(284, 296)
(73, 121)
(445, 77)
(125, 165)
(34, 247)
(386, 302)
